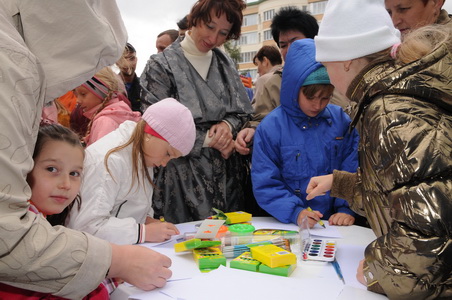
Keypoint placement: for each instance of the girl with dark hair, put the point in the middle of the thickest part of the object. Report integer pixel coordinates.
(55, 183)
(54, 141)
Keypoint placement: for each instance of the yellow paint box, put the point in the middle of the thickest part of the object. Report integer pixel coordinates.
(273, 256)
(238, 217)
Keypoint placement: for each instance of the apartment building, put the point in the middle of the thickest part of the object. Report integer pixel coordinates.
(256, 32)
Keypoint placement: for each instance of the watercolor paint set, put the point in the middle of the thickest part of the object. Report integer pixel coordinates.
(320, 250)
(315, 248)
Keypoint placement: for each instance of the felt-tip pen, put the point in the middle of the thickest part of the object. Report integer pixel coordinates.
(337, 268)
(320, 221)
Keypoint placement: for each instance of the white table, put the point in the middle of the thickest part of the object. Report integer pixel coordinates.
(319, 277)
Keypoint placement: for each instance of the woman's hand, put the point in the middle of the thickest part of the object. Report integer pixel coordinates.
(160, 231)
(140, 266)
(227, 152)
(221, 137)
(318, 186)
(243, 138)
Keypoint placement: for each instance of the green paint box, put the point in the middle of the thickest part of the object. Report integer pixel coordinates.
(245, 262)
(281, 271)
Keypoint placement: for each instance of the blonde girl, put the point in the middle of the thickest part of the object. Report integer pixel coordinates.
(102, 102)
(118, 179)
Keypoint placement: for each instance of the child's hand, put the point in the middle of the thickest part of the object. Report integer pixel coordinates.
(341, 219)
(318, 186)
(313, 217)
(360, 273)
(160, 231)
(243, 137)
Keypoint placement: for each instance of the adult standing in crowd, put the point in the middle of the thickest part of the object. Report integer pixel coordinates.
(166, 38)
(404, 116)
(268, 59)
(288, 25)
(127, 65)
(40, 59)
(204, 79)
(408, 15)
(182, 24)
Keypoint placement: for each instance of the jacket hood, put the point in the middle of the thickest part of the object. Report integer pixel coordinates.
(300, 62)
(427, 78)
(117, 110)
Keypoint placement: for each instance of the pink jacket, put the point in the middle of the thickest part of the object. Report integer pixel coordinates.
(108, 119)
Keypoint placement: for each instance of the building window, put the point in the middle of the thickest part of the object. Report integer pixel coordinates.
(247, 57)
(268, 15)
(317, 8)
(268, 35)
(249, 20)
(253, 73)
(249, 38)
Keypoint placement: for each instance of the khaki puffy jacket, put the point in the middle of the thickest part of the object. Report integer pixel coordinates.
(404, 185)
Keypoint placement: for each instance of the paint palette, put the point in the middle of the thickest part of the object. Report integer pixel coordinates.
(316, 249)
(320, 250)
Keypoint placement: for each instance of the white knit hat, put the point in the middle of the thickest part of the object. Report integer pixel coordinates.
(354, 28)
(174, 122)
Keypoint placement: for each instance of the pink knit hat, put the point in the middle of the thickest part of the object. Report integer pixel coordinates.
(174, 122)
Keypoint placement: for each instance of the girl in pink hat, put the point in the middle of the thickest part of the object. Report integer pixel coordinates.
(118, 175)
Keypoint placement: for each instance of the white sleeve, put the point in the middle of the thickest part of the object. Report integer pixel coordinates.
(99, 193)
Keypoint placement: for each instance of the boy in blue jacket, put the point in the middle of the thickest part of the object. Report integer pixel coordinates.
(303, 137)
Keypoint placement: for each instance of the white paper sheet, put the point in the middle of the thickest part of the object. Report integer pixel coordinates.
(329, 231)
(348, 257)
(186, 265)
(227, 283)
(317, 230)
(350, 292)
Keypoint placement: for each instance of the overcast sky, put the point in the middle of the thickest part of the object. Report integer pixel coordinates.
(145, 19)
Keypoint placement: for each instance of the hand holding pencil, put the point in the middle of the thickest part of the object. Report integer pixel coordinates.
(158, 230)
(313, 217)
(319, 221)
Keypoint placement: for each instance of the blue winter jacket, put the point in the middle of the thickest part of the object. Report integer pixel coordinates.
(290, 147)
